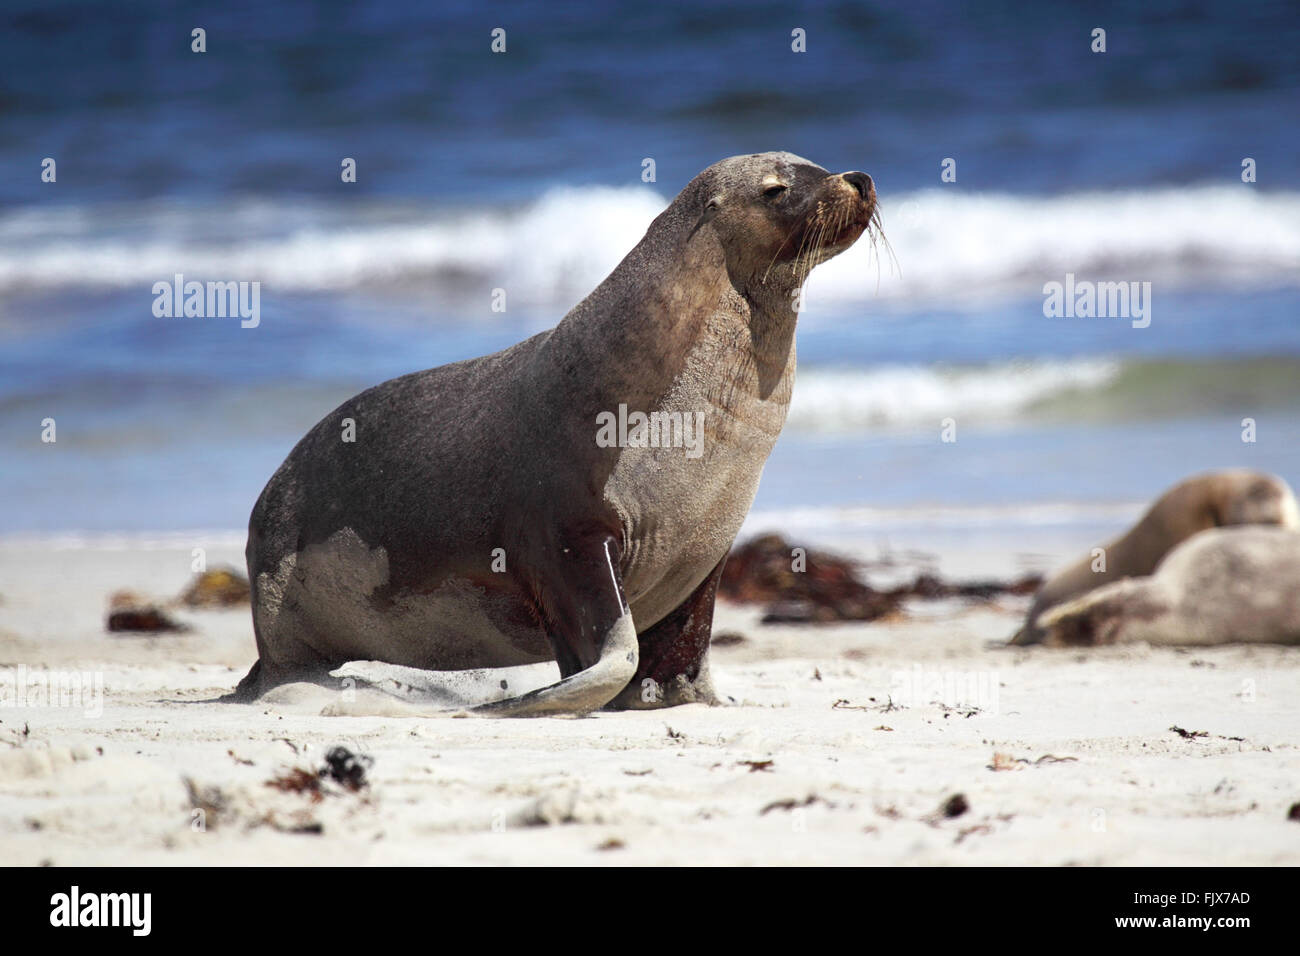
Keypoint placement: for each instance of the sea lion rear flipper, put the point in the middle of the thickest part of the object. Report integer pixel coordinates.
(1029, 634)
(248, 689)
(674, 665)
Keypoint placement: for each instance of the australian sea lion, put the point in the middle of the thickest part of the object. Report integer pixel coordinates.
(1211, 500)
(1220, 586)
(573, 497)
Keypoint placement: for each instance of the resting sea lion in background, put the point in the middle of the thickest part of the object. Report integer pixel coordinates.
(1220, 586)
(1212, 500)
(391, 547)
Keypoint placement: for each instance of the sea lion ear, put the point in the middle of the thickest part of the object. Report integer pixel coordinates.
(710, 210)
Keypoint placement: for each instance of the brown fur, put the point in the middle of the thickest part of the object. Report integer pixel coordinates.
(382, 549)
(1224, 585)
(1211, 500)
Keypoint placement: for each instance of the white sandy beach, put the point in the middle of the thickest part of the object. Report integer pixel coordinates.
(1093, 773)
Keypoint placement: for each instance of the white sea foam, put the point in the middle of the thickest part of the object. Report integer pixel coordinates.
(949, 244)
(18, 542)
(965, 246)
(848, 519)
(832, 400)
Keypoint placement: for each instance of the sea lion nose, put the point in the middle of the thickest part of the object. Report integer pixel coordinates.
(859, 181)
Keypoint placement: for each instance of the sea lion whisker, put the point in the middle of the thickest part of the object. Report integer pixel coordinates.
(801, 266)
(778, 252)
(796, 252)
(892, 257)
(815, 254)
(797, 266)
(818, 245)
(828, 232)
(878, 238)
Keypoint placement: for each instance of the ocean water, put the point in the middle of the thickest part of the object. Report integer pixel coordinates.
(523, 171)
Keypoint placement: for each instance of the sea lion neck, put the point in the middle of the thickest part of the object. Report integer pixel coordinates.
(633, 332)
(772, 314)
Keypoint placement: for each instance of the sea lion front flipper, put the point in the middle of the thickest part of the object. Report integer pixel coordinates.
(594, 638)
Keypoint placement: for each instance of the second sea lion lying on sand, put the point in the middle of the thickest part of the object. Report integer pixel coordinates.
(1221, 586)
(1212, 500)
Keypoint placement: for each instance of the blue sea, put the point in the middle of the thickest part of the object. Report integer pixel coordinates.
(522, 170)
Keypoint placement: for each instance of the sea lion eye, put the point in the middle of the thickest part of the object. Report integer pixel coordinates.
(771, 192)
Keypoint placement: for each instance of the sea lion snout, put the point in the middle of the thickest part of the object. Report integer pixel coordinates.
(847, 202)
(861, 182)
(860, 188)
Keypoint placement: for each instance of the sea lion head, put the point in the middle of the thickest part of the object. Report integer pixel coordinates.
(1108, 615)
(1259, 499)
(777, 215)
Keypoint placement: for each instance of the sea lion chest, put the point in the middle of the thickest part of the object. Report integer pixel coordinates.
(682, 493)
